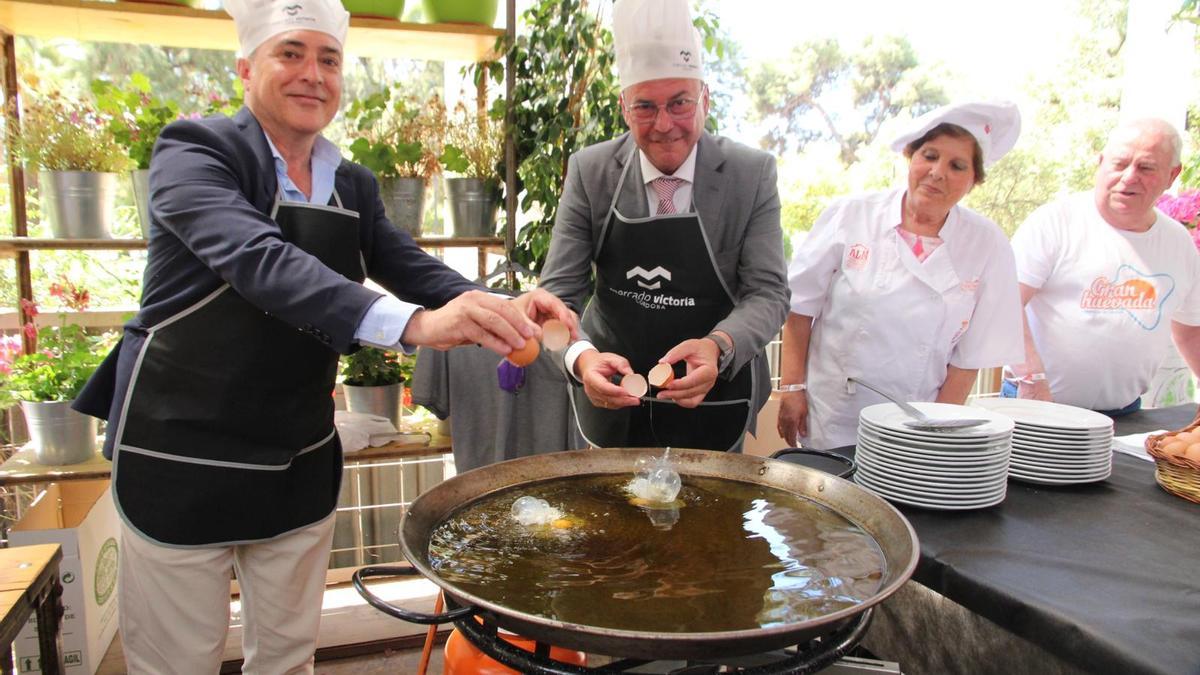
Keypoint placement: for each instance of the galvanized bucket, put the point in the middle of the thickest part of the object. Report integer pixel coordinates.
(141, 196)
(473, 204)
(80, 203)
(60, 435)
(404, 202)
(383, 400)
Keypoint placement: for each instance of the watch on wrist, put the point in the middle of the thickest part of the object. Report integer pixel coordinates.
(726, 349)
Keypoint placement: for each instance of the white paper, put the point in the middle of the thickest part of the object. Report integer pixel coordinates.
(1134, 445)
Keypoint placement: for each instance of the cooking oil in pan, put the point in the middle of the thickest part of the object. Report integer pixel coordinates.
(724, 556)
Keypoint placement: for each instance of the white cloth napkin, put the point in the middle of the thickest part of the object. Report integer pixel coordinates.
(1134, 445)
(358, 430)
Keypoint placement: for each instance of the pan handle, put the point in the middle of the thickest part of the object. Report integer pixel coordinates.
(851, 466)
(399, 612)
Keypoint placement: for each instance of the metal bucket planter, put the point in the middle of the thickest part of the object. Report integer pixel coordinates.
(60, 435)
(473, 205)
(383, 401)
(141, 197)
(80, 203)
(404, 201)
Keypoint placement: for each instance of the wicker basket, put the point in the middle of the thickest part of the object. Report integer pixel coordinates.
(1177, 475)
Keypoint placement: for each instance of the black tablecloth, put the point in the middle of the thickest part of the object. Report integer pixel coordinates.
(1106, 576)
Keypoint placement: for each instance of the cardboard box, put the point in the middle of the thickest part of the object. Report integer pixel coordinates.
(79, 516)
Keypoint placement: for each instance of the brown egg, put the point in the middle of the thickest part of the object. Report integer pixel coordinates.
(1193, 452)
(635, 384)
(1188, 437)
(1174, 448)
(525, 355)
(660, 375)
(555, 335)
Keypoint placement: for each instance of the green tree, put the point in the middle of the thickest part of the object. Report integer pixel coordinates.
(802, 99)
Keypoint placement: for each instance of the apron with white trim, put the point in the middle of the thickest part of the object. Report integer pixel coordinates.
(653, 291)
(226, 433)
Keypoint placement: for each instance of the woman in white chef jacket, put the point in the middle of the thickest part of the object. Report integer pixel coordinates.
(904, 288)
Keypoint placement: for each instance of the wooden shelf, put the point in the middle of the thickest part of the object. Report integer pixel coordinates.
(178, 26)
(9, 246)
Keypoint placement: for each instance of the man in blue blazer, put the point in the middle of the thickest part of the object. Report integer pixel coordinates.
(671, 237)
(225, 457)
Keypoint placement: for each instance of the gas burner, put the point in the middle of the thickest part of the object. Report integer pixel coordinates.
(809, 657)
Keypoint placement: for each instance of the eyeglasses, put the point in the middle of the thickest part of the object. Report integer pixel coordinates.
(678, 108)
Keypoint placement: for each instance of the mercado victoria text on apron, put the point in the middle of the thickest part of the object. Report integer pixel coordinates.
(657, 285)
(226, 432)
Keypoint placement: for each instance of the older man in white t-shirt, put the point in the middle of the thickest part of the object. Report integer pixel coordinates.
(1108, 280)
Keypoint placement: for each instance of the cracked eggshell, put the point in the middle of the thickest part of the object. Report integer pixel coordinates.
(635, 384)
(525, 355)
(661, 375)
(555, 335)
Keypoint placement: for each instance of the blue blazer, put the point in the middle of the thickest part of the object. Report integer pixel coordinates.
(212, 189)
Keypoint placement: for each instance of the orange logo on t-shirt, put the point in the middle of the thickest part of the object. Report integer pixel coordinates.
(1130, 291)
(1130, 294)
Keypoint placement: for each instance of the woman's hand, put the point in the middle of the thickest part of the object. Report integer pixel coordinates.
(792, 422)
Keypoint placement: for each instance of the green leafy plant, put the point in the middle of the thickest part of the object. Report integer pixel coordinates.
(65, 356)
(57, 133)
(397, 136)
(371, 367)
(474, 144)
(135, 115)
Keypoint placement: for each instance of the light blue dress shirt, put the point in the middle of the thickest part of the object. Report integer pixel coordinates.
(384, 322)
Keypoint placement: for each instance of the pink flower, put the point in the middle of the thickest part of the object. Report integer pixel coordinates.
(29, 307)
(30, 330)
(1185, 208)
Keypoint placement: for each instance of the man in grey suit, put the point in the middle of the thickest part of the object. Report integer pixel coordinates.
(674, 234)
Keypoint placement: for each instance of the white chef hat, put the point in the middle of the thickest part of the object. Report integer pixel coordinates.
(994, 124)
(655, 40)
(260, 20)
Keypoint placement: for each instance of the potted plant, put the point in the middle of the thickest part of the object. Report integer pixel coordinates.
(399, 138)
(135, 119)
(474, 150)
(78, 158)
(461, 11)
(373, 382)
(46, 381)
(379, 9)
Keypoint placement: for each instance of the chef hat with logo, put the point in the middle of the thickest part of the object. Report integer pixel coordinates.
(655, 40)
(994, 124)
(260, 20)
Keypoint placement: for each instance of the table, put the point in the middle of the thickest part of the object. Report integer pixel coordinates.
(22, 467)
(1096, 578)
(29, 584)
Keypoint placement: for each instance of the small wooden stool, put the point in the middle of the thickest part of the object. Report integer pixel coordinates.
(29, 583)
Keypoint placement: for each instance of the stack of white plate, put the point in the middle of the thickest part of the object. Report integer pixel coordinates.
(963, 469)
(1056, 444)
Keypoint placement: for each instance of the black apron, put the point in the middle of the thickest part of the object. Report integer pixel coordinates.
(226, 433)
(653, 291)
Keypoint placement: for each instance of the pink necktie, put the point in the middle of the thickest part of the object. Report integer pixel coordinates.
(665, 187)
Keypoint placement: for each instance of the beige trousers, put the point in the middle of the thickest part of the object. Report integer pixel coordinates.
(174, 602)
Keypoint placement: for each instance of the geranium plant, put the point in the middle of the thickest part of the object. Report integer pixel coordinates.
(64, 357)
(474, 144)
(397, 136)
(371, 367)
(57, 133)
(135, 115)
(1185, 208)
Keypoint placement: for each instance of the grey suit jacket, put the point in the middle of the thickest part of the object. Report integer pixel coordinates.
(736, 196)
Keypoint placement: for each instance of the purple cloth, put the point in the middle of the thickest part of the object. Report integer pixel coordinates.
(511, 377)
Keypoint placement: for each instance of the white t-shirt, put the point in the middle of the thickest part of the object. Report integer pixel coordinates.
(897, 322)
(1101, 318)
